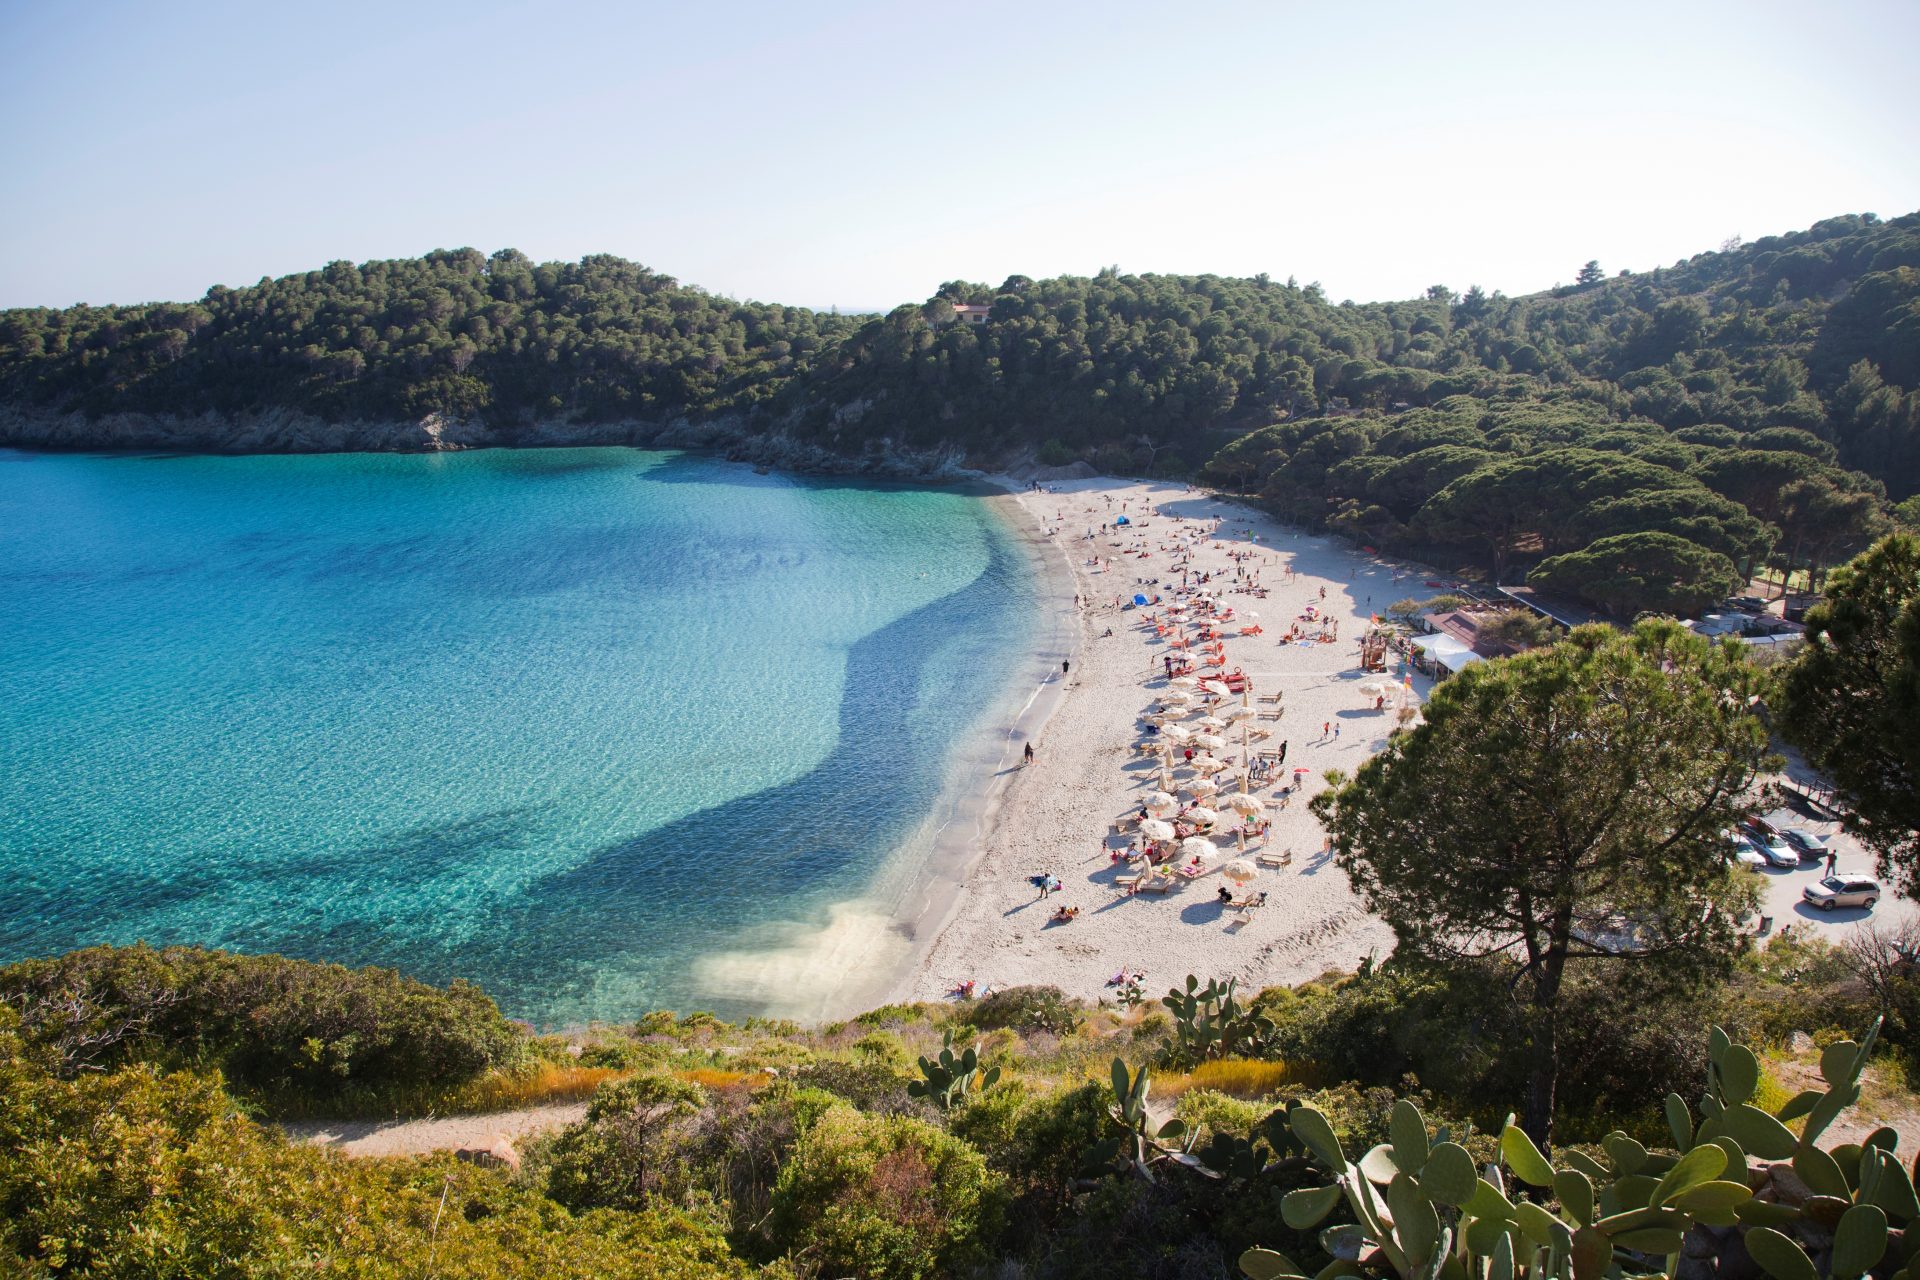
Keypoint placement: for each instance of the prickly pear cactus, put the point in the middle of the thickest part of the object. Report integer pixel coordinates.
(1421, 1210)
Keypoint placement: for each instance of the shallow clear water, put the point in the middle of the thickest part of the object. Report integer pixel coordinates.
(560, 722)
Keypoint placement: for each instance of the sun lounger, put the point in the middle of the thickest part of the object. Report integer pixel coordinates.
(1248, 904)
(1275, 859)
(1128, 883)
(1155, 884)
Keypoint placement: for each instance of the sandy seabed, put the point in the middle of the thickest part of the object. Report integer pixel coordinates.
(1055, 816)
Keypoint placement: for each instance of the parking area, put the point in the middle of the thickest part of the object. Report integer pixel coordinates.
(1784, 903)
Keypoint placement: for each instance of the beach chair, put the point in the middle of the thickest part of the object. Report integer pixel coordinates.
(1129, 883)
(1283, 859)
(1248, 904)
(1155, 884)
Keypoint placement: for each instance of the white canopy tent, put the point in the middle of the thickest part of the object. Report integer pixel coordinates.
(1448, 652)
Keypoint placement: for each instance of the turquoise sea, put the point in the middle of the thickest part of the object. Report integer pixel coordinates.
(560, 722)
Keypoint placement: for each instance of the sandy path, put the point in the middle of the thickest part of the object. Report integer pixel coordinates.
(1056, 814)
(446, 1133)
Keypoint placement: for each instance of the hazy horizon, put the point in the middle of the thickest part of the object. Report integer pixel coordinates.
(859, 156)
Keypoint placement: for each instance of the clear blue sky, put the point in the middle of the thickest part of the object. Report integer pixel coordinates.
(859, 154)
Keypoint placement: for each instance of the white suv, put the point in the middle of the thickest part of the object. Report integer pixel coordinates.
(1843, 889)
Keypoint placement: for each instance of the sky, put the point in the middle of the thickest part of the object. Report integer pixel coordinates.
(859, 154)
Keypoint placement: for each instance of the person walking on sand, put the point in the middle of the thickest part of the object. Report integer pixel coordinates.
(1065, 667)
(1283, 751)
(1326, 728)
(1029, 753)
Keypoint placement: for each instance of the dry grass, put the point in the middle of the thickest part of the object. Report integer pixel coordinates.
(545, 1082)
(716, 1078)
(1235, 1077)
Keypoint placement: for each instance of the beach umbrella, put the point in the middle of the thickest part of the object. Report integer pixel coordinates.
(1160, 804)
(1199, 847)
(1202, 816)
(1156, 829)
(1216, 688)
(1211, 723)
(1238, 713)
(1176, 733)
(1207, 764)
(1245, 806)
(1183, 682)
(1203, 787)
(1240, 871)
(1209, 741)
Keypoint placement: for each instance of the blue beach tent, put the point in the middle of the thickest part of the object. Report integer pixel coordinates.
(1139, 599)
(1122, 520)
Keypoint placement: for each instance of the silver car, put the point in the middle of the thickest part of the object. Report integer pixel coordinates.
(1777, 851)
(1844, 889)
(1740, 851)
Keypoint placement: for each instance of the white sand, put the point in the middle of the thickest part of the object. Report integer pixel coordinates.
(1054, 816)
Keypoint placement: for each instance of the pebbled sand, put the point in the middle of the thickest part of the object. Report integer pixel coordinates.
(1055, 815)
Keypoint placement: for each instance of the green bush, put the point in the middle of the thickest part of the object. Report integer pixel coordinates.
(281, 1029)
(870, 1086)
(885, 1197)
(131, 1174)
(640, 1139)
(1025, 1009)
(883, 1049)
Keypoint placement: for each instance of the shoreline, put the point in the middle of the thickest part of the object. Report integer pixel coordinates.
(1055, 817)
(975, 811)
(813, 970)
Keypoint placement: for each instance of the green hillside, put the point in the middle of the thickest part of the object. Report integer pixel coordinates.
(1782, 377)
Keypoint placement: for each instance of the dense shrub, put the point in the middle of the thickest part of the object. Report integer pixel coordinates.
(279, 1028)
(1025, 1009)
(639, 1139)
(888, 1197)
(131, 1174)
(1627, 1039)
(868, 1085)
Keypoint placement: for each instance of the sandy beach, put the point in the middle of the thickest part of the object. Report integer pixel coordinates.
(1055, 816)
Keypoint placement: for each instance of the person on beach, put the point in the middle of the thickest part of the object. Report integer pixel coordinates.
(1064, 667)
(1283, 751)
(1043, 882)
(1029, 753)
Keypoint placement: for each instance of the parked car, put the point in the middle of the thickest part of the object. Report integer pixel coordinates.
(1740, 850)
(1805, 843)
(1748, 604)
(1844, 889)
(1774, 849)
